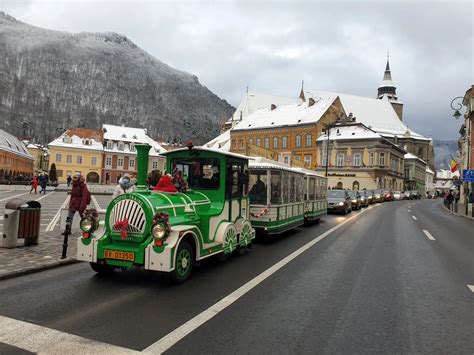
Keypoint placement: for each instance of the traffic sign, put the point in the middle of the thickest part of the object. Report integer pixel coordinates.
(468, 175)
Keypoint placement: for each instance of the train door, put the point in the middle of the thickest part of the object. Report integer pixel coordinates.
(237, 181)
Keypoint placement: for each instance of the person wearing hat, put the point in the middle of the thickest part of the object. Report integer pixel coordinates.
(124, 186)
(80, 197)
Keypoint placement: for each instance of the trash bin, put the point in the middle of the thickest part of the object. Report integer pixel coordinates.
(21, 220)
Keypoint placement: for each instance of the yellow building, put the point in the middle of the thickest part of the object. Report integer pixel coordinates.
(78, 150)
(40, 154)
(291, 130)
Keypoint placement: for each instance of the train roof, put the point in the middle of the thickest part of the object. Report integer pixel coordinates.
(202, 149)
(263, 163)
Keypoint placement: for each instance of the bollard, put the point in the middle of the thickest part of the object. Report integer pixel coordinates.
(67, 232)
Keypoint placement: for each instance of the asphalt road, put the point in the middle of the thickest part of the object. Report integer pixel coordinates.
(377, 284)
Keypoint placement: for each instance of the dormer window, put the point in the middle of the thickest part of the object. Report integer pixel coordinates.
(67, 139)
(121, 146)
(110, 145)
(87, 142)
(135, 136)
(124, 135)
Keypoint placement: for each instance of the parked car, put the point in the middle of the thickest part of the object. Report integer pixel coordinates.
(387, 195)
(339, 201)
(397, 195)
(355, 199)
(415, 195)
(371, 195)
(364, 197)
(378, 194)
(406, 195)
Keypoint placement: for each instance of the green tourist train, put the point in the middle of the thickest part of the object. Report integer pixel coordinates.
(227, 197)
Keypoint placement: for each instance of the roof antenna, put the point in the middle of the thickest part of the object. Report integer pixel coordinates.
(302, 84)
(247, 89)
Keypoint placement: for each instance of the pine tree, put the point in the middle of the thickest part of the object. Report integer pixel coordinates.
(52, 173)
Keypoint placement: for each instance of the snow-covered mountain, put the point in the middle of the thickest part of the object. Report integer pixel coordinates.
(50, 81)
(444, 150)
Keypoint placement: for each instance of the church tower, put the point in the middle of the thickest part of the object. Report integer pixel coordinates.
(388, 91)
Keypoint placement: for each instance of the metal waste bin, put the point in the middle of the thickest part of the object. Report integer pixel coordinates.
(21, 220)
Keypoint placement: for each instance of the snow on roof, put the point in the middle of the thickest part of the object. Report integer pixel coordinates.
(79, 138)
(411, 156)
(256, 101)
(287, 115)
(221, 142)
(429, 171)
(214, 150)
(376, 114)
(264, 163)
(13, 145)
(124, 134)
(357, 131)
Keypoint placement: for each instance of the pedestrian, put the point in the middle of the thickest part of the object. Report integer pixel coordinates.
(34, 184)
(80, 197)
(124, 186)
(43, 181)
(449, 200)
(68, 180)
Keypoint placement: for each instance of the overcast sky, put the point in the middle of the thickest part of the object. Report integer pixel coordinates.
(272, 46)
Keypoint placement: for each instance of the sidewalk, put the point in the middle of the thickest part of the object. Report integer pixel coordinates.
(460, 210)
(46, 255)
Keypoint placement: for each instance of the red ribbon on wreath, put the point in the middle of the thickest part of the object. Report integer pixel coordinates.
(122, 226)
(263, 212)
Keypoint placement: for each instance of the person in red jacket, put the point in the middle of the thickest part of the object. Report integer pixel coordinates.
(34, 184)
(80, 197)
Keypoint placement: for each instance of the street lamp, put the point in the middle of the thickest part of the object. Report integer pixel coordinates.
(457, 114)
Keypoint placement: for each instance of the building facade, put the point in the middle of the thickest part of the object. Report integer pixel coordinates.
(465, 144)
(429, 181)
(289, 130)
(78, 150)
(15, 160)
(41, 155)
(415, 174)
(357, 157)
(120, 156)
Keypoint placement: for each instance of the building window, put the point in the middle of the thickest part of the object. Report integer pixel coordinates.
(267, 142)
(121, 146)
(308, 140)
(284, 142)
(250, 141)
(371, 159)
(382, 159)
(298, 141)
(131, 164)
(59, 173)
(259, 142)
(307, 160)
(79, 159)
(69, 159)
(93, 161)
(286, 159)
(120, 162)
(108, 161)
(132, 147)
(323, 158)
(67, 139)
(297, 157)
(356, 159)
(241, 144)
(154, 165)
(234, 144)
(110, 145)
(275, 142)
(58, 157)
(340, 159)
(87, 142)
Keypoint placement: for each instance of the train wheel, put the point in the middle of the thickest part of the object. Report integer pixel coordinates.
(230, 240)
(102, 269)
(184, 263)
(245, 235)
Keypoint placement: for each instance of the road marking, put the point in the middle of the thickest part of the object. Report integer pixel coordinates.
(471, 287)
(8, 198)
(38, 339)
(428, 235)
(409, 211)
(96, 204)
(56, 217)
(179, 333)
(414, 217)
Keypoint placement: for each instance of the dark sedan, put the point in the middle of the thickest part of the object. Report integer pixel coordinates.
(339, 201)
(355, 199)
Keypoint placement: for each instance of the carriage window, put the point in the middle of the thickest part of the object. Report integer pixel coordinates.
(312, 188)
(276, 187)
(305, 188)
(258, 191)
(299, 187)
(292, 188)
(285, 182)
(200, 173)
(237, 179)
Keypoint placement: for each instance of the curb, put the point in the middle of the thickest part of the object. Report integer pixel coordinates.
(23, 272)
(457, 214)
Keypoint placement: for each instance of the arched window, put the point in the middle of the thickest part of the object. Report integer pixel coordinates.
(250, 141)
(356, 159)
(298, 141)
(339, 185)
(267, 142)
(275, 142)
(241, 144)
(355, 185)
(308, 140)
(259, 142)
(284, 142)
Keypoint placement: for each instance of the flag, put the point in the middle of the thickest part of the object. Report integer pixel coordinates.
(454, 165)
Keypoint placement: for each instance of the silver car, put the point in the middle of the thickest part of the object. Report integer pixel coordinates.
(397, 195)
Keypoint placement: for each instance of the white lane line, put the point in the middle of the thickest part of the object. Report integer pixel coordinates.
(8, 198)
(56, 217)
(49, 194)
(471, 287)
(414, 217)
(38, 339)
(428, 235)
(179, 333)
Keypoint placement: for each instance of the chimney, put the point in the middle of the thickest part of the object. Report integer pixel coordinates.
(273, 106)
(311, 102)
(142, 165)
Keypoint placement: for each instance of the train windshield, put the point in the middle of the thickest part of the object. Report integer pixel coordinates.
(258, 187)
(201, 173)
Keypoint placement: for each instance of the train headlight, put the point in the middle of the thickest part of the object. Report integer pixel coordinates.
(86, 225)
(158, 231)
